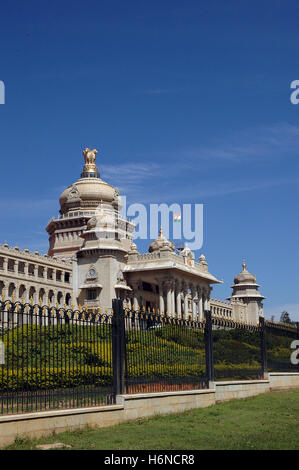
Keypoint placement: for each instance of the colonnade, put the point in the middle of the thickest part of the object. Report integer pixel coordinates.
(183, 298)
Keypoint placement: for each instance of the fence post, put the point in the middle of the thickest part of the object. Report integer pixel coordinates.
(118, 346)
(209, 346)
(263, 347)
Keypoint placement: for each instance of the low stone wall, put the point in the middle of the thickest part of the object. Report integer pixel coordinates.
(283, 380)
(131, 407)
(240, 389)
(40, 424)
(128, 407)
(149, 404)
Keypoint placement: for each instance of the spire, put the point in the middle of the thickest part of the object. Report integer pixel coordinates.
(244, 265)
(90, 169)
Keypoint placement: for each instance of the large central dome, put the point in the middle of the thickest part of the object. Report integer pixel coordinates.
(90, 190)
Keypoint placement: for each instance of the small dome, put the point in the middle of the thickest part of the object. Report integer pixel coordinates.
(161, 242)
(245, 276)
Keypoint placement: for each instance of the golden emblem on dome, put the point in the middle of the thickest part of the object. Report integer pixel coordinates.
(90, 158)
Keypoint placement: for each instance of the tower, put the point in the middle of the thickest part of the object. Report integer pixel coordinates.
(104, 241)
(245, 289)
(78, 203)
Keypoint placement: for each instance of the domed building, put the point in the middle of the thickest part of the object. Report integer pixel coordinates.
(92, 259)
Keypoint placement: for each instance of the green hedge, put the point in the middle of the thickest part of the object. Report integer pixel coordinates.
(52, 378)
(70, 356)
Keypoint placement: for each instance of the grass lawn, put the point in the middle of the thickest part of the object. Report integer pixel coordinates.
(268, 421)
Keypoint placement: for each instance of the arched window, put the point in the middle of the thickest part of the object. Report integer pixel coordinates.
(68, 299)
(11, 289)
(22, 292)
(32, 294)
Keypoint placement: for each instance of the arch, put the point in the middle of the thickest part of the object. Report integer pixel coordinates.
(11, 289)
(2, 287)
(51, 297)
(22, 292)
(68, 299)
(42, 295)
(59, 298)
(32, 293)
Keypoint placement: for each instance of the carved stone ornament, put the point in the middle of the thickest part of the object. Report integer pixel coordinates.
(73, 193)
(91, 223)
(92, 274)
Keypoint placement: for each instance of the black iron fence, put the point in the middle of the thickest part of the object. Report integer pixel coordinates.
(159, 353)
(279, 345)
(238, 350)
(53, 358)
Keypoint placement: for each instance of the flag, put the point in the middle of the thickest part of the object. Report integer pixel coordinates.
(177, 217)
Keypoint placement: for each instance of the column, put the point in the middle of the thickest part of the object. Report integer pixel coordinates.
(18, 266)
(161, 298)
(135, 285)
(172, 300)
(178, 299)
(168, 287)
(200, 306)
(206, 298)
(5, 264)
(193, 305)
(26, 266)
(35, 271)
(186, 313)
(5, 290)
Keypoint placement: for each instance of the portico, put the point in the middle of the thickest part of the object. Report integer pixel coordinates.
(169, 282)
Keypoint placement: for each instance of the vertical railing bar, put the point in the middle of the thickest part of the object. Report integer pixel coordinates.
(263, 346)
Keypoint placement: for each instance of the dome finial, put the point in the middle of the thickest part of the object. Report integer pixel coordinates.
(244, 265)
(161, 231)
(90, 168)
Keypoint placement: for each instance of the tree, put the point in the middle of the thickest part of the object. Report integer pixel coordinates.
(285, 317)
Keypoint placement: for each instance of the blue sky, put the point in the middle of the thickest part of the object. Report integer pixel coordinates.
(186, 102)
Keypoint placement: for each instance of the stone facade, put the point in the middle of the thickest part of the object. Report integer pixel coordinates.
(30, 275)
(234, 310)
